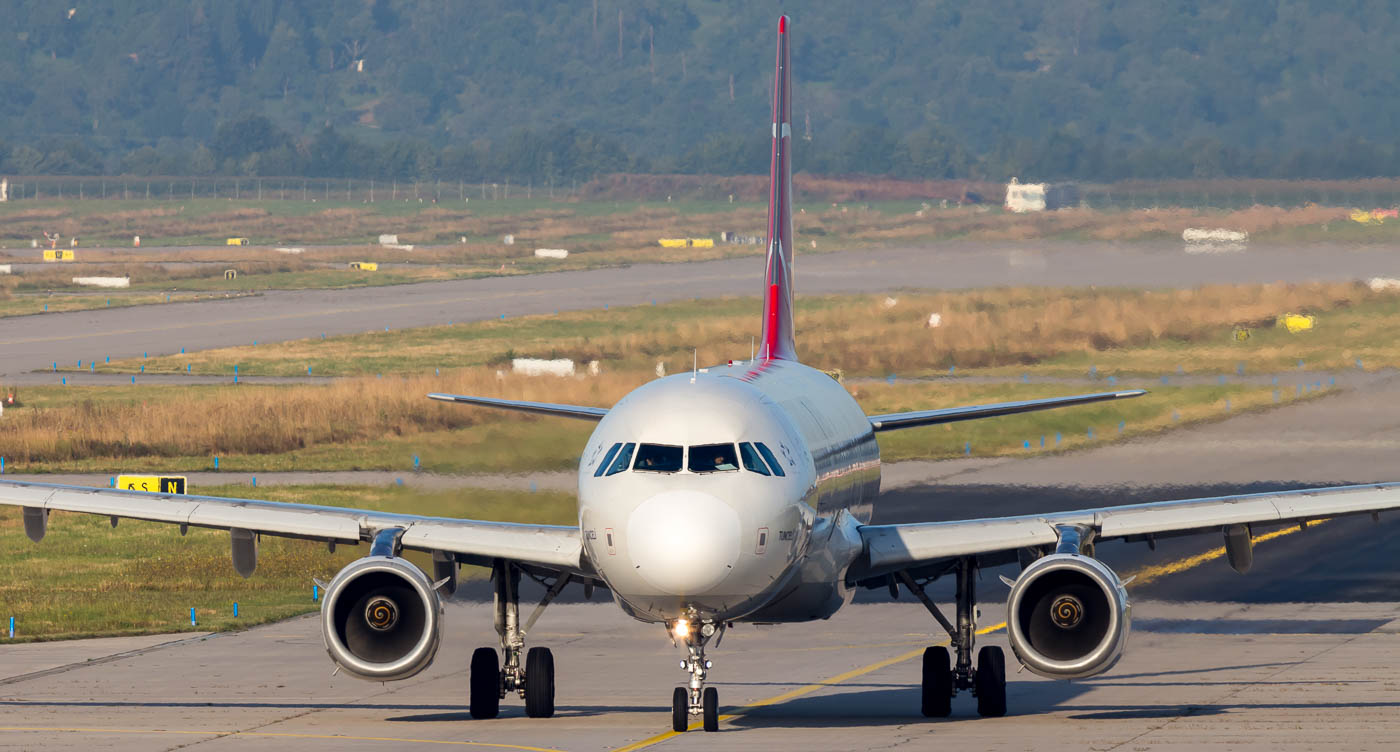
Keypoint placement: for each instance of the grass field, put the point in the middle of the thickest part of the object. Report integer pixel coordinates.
(28, 305)
(87, 580)
(465, 239)
(1052, 331)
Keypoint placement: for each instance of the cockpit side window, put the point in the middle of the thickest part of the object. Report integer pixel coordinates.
(772, 461)
(603, 466)
(658, 458)
(752, 462)
(623, 459)
(713, 458)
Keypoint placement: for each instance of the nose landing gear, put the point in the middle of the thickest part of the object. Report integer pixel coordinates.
(697, 699)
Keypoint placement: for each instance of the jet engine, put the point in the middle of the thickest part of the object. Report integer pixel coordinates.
(379, 617)
(1067, 616)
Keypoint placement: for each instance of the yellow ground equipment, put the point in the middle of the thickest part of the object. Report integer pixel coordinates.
(1295, 322)
(236, 241)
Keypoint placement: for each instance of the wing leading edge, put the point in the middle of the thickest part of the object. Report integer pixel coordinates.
(890, 548)
(552, 546)
(915, 418)
(541, 408)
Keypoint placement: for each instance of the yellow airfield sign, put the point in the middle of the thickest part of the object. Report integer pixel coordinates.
(170, 484)
(54, 255)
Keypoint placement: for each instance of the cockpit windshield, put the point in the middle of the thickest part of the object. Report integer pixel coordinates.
(713, 458)
(658, 458)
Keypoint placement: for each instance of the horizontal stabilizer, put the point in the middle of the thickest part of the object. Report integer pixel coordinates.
(893, 421)
(542, 408)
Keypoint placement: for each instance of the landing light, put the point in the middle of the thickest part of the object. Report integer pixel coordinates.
(681, 628)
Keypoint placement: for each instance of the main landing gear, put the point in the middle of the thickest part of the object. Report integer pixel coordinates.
(491, 679)
(943, 679)
(698, 699)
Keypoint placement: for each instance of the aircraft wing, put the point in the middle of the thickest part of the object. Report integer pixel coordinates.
(894, 421)
(553, 547)
(891, 548)
(542, 408)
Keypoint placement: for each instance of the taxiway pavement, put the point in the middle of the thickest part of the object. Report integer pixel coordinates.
(34, 343)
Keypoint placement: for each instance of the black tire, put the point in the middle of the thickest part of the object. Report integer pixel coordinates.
(991, 682)
(709, 705)
(539, 683)
(680, 709)
(937, 683)
(485, 699)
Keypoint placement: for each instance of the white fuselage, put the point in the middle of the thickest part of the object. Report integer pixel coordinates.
(730, 543)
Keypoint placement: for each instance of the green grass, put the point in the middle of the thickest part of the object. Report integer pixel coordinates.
(86, 579)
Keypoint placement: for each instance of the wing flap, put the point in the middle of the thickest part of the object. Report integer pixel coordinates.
(915, 418)
(553, 546)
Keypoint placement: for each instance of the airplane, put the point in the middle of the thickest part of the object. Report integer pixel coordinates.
(736, 494)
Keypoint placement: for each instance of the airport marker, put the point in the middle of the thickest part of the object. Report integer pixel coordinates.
(80, 362)
(216, 462)
(1026, 444)
(112, 481)
(192, 621)
(398, 481)
(235, 609)
(1057, 437)
(1121, 425)
(1332, 381)
(143, 368)
(109, 359)
(55, 366)
(952, 370)
(415, 463)
(1093, 371)
(1091, 433)
(182, 351)
(133, 379)
(1042, 441)
(437, 372)
(1025, 378)
(308, 370)
(890, 379)
(65, 381)
(1358, 364)
(255, 481)
(92, 366)
(1275, 380)
(12, 627)
(967, 449)
(1300, 365)
(2, 465)
(315, 593)
(145, 355)
(187, 367)
(503, 317)
(46, 308)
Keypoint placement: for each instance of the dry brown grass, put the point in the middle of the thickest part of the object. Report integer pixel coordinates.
(274, 420)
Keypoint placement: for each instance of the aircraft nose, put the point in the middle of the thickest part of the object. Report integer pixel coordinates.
(683, 542)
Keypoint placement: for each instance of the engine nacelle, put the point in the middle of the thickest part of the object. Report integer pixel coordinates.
(1067, 617)
(379, 617)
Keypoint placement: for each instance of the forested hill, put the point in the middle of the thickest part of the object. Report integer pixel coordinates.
(539, 89)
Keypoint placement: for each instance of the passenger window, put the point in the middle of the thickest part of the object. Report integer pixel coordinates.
(712, 458)
(658, 458)
(602, 466)
(752, 461)
(772, 461)
(624, 458)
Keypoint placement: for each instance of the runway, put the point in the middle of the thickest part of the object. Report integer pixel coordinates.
(31, 343)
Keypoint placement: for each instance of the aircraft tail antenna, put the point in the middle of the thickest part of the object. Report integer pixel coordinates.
(777, 292)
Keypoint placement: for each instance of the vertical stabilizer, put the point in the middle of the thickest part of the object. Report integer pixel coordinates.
(777, 340)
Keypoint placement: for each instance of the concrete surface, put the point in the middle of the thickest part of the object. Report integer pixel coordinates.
(1276, 677)
(31, 343)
